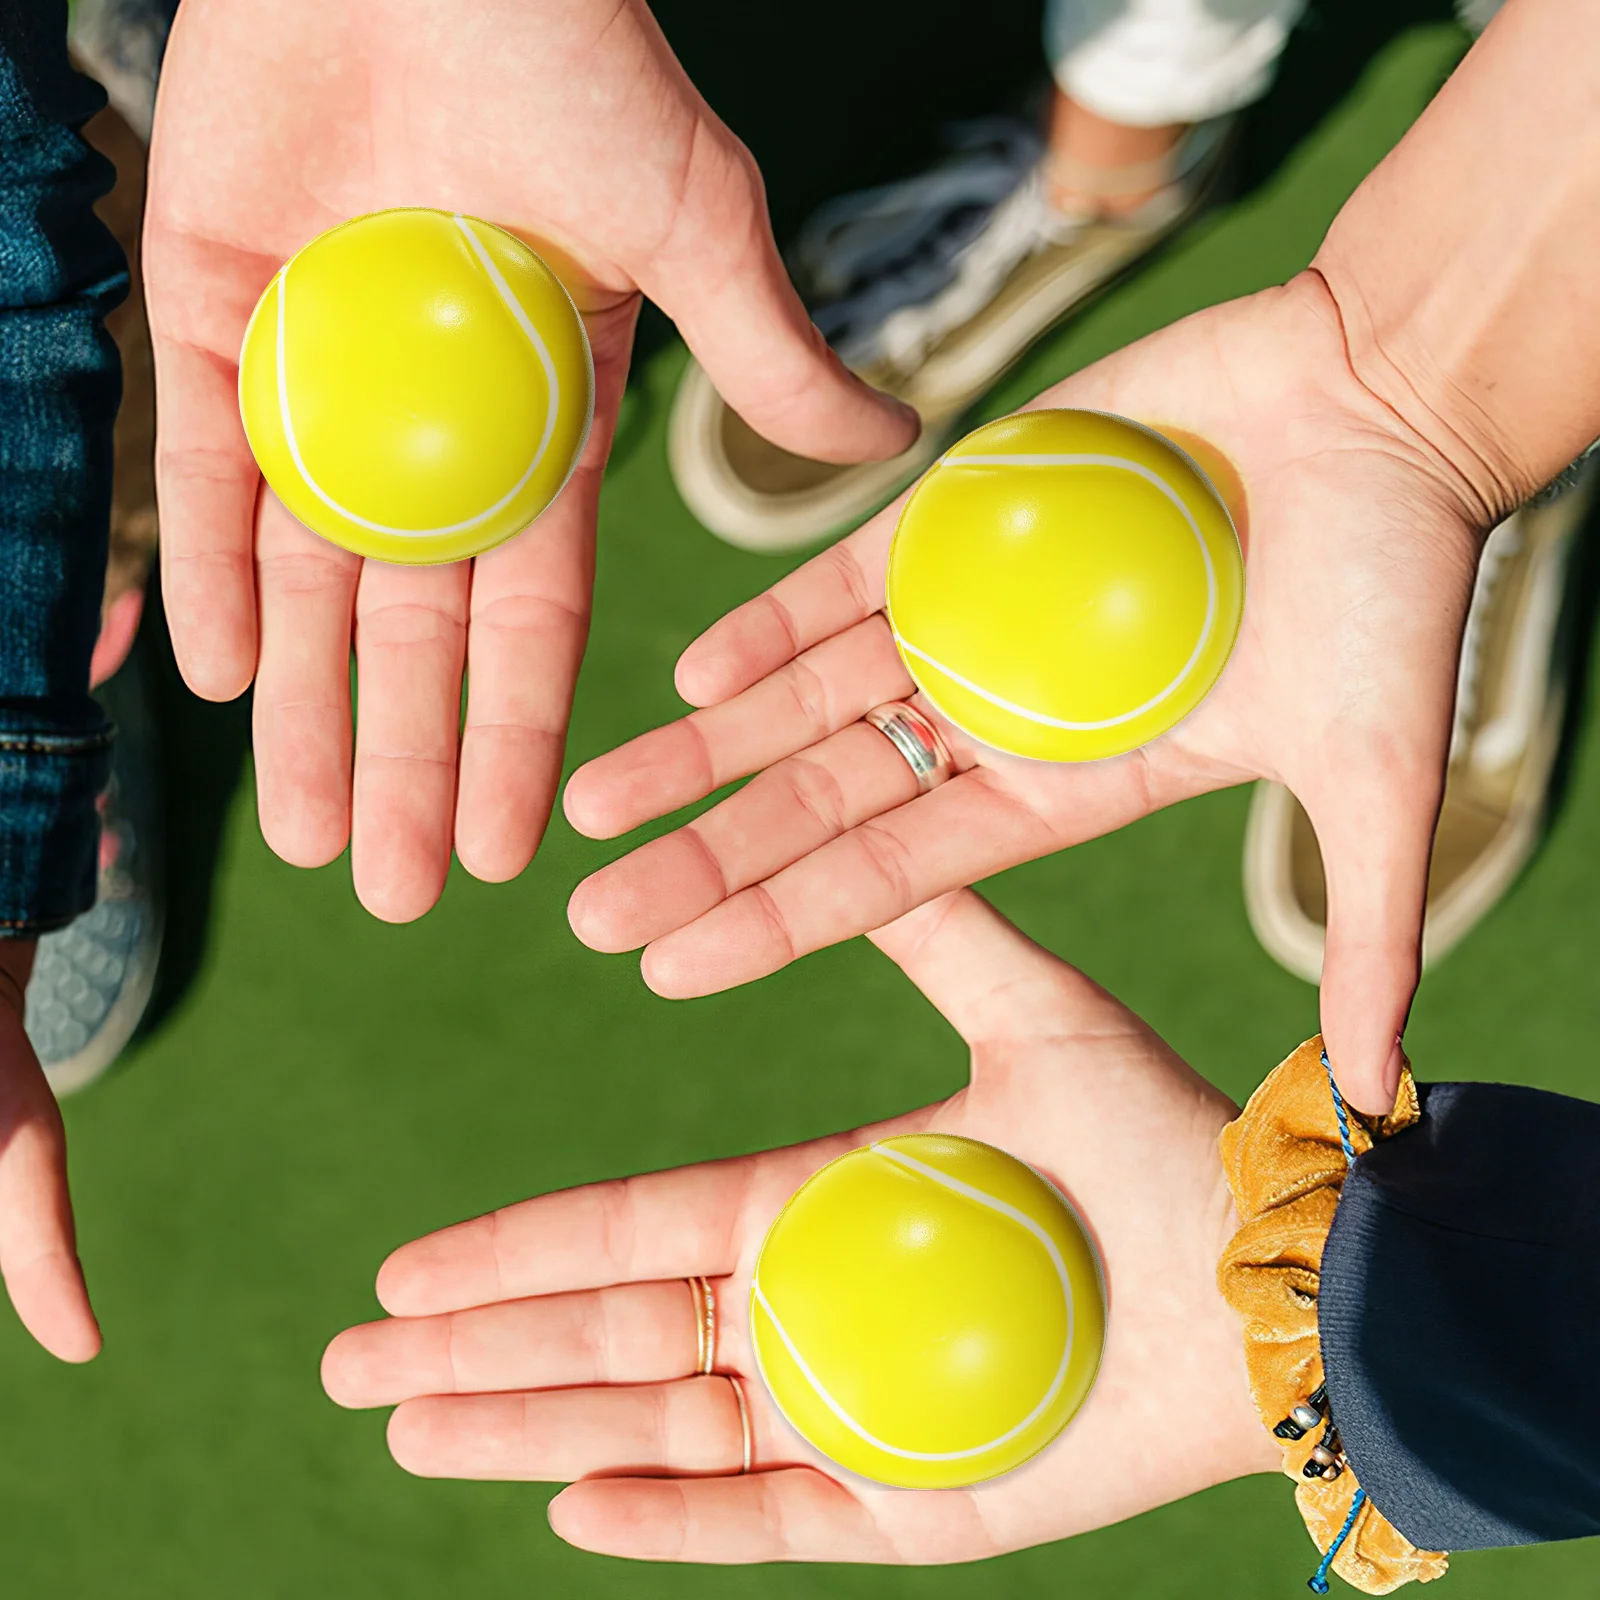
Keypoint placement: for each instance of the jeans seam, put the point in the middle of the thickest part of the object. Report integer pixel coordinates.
(37, 745)
(20, 925)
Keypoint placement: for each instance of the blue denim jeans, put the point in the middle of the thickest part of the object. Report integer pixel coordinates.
(60, 273)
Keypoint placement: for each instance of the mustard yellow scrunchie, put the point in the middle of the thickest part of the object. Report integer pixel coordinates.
(1286, 1168)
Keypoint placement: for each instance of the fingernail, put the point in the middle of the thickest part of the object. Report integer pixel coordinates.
(1392, 1069)
(908, 414)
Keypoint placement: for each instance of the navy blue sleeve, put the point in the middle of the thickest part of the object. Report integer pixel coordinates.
(1460, 1319)
(60, 273)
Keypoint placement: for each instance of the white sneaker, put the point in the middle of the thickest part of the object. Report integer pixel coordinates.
(930, 289)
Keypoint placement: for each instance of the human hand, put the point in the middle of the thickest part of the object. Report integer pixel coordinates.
(1361, 542)
(570, 123)
(555, 1339)
(38, 1250)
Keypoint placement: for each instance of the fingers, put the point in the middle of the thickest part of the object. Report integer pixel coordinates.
(796, 1514)
(529, 624)
(661, 1225)
(720, 278)
(803, 701)
(1375, 840)
(978, 823)
(38, 1250)
(206, 483)
(411, 626)
(522, 611)
(692, 1426)
(988, 978)
(779, 817)
(629, 1334)
(301, 708)
(831, 592)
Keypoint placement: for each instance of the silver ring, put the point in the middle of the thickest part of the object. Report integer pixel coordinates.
(916, 739)
(744, 1421)
(705, 1325)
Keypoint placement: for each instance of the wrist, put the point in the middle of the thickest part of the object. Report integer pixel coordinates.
(1462, 268)
(1493, 467)
(1445, 480)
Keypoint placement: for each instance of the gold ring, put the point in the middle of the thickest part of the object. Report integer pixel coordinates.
(916, 738)
(705, 1324)
(744, 1422)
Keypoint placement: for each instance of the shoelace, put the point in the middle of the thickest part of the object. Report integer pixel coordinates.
(857, 235)
(1021, 225)
(891, 271)
(865, 257)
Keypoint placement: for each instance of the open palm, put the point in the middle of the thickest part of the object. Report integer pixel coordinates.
(1360, 549)
(570, 123)
(555, 1339)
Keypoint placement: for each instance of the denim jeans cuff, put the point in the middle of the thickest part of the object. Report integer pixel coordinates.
(49, 826)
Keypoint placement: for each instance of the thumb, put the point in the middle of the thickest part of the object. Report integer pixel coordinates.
(720, 278)
(988, 979)
(1376, 840)
(38, 1254)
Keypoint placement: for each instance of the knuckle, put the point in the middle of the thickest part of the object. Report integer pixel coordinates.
(770, 606)
(816, 790)
(596, 1335)
(809, 693)
(193, 464)
(851, 577)
(704, 751)
(452, 1352)
(406, 623)
(294, 574)
(619, 1222)
(529, 614)
(768, 910)
(662, 1420)
(711, 860)
(888, 860)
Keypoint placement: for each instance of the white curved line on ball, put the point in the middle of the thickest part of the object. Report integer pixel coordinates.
(1009, 1211)
(1172, 688)
(523, 321)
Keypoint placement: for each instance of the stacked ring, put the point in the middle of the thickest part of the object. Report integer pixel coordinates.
(704, 1299)
(705, 1325)
(744, 1423)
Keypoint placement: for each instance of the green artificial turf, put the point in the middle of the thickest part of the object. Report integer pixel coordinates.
(332, 1086)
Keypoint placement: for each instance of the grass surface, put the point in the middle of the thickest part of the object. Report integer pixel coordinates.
(332, 1087)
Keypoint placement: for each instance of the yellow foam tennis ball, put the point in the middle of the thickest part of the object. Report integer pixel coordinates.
(928, 1311)
(1065, 585)
(416, 386)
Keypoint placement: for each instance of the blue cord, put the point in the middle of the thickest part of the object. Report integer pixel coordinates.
(1318, 1583)
(1340, 1112)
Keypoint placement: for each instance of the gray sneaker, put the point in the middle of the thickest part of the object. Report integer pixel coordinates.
(92, 979)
